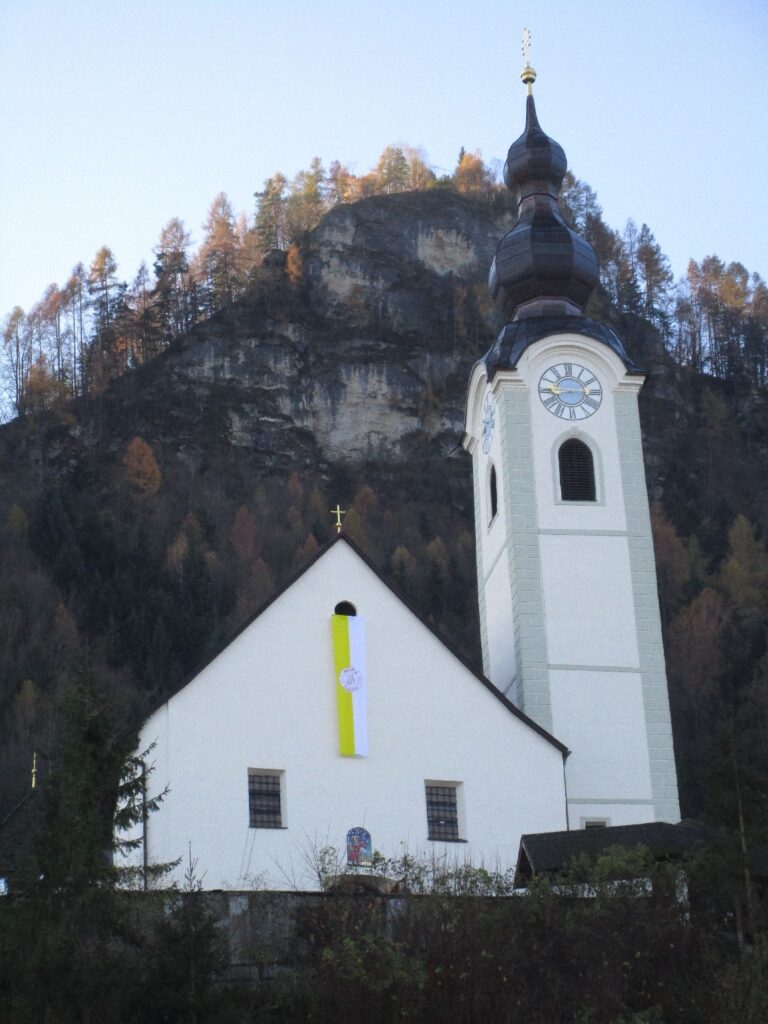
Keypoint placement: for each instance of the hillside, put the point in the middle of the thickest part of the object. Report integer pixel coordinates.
(141, 524)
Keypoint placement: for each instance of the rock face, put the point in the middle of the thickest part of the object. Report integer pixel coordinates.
(366, 348)
(357, 349)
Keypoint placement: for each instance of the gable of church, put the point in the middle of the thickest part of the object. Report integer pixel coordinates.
(256, 757)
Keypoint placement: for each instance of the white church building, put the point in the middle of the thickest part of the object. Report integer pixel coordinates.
(338, 718)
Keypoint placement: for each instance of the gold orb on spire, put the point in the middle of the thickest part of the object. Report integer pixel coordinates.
(528, 74)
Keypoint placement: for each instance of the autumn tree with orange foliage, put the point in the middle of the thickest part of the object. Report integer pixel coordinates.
(142, 473)
(471, 174)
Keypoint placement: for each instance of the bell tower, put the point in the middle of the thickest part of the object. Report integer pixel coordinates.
(569, 612)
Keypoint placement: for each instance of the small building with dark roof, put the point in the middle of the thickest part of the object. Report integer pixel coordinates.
(553, 853)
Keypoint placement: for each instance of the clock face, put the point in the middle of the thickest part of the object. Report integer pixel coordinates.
(489, 421)
(570, 391)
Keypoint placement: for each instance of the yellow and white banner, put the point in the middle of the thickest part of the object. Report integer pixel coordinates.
(349, 664)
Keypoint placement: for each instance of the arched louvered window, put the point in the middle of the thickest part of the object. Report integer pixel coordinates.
(577, 471)
(494, 494)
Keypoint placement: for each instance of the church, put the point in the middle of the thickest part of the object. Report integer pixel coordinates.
(338, 718)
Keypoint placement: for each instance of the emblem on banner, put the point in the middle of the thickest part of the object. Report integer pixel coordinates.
(350, 679)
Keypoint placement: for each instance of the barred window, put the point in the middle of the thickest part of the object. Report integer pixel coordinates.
(442, 811)
(264, 799)
(577, 471)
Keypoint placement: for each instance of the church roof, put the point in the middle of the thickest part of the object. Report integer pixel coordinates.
(342, 538)
(517, 336)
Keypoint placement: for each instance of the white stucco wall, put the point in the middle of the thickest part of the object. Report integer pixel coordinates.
(600, 716)
(588, 600)
(268, 702)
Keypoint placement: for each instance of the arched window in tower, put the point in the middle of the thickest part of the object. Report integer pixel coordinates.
(577, 471)
(493, 495)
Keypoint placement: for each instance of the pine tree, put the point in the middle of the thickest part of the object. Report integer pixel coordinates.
(106, 357)
(19, 355)
(218, 258)
(271, 229)
(392, 172)
(75, 299)
(72, 954)
(306, 201)
(342, 184)
(173, 292)
(655, 277)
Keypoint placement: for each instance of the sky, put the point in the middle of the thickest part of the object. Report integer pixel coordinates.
(117, 116)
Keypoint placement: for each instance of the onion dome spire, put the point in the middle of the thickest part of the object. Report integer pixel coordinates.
(541, 267)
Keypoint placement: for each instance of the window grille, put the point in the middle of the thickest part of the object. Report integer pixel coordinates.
(264, 803)
(494, 494)
(577, 471)
(442, 813)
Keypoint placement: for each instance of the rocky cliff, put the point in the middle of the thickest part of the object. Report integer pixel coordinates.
(354, 348)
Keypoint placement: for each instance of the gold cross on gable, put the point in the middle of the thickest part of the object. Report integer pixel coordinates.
(338, 512)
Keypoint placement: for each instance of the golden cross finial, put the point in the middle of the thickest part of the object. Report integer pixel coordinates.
(34, 769)
(338, 512)
(528, 74)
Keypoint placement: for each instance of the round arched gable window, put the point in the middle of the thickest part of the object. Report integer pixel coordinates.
(345, 608)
